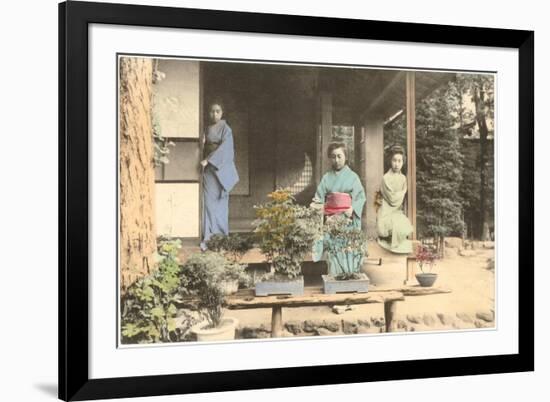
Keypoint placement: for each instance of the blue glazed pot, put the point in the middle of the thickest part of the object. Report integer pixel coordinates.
(426, 280)
(333, 286)
(293, 287)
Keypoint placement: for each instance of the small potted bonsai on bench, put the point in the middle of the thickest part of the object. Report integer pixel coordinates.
(233, 247)
(285, 232)
(346, 247)
(425, 258)
(202, 276)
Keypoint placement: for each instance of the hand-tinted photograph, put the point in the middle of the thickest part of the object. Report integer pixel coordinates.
(286, 200)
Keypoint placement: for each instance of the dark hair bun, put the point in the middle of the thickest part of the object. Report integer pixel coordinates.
(216, 101)
(337, 145)
(397, 149)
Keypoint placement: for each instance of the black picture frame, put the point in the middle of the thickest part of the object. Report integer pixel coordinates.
(74, 18)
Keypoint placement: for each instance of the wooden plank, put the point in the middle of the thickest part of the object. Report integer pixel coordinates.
(411, 149)
(314, 296)
(239, 302)
(420, 291)
(415, 290)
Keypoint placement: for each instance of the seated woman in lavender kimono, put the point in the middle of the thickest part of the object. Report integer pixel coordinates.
(392, 225)
(219, 174)
(340, 191)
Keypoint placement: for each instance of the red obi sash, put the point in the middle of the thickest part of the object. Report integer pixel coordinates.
(337, 203)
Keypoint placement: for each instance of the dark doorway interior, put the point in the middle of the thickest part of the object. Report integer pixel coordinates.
(272, 111)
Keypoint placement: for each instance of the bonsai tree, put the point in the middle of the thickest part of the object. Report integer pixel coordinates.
(202, 276)
(425, 258)
(341, 239)
(285, 232)
(233, 247)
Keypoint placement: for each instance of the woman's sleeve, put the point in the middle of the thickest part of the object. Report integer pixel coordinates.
(224, 153)
(358, 198)
(321, 191)
(393, 198)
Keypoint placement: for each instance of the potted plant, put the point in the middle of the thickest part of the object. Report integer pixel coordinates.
(233, 247)
(425, 258)
(149, 305)
(202, 276)
(285, 232)
(346, 247)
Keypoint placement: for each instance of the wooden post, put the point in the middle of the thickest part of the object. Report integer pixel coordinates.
(276, 322)
(411, 264)
(411, 149)
(361, 161)
(373, 151)
(326, 129)
(389, 314)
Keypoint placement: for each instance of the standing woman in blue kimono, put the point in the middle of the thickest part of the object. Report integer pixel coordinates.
(219, 174)
(340, 192)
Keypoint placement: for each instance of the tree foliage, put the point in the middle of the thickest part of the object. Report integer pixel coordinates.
(455, 178)
(439, 163)
(477, 188)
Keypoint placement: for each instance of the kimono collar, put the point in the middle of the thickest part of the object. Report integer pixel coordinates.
(217, 125)
(391, 172)
(337, 172)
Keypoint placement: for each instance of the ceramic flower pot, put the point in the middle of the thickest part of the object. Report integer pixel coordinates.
(229, 287)
(332, 285)
(391, 270)
(225, 332)
(426, 279)
(294, 287)
(386, 275)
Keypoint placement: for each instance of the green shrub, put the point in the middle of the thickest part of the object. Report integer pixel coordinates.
(285, 232)
(149, 305)
(202, 276)
(234, 246)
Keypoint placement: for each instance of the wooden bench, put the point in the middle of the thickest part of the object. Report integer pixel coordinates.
(313, 296)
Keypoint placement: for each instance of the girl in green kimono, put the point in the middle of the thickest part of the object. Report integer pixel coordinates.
(337, 184)
(392, 225)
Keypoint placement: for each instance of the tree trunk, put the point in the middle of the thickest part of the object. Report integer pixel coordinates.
(137, 174)
(479, 100)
